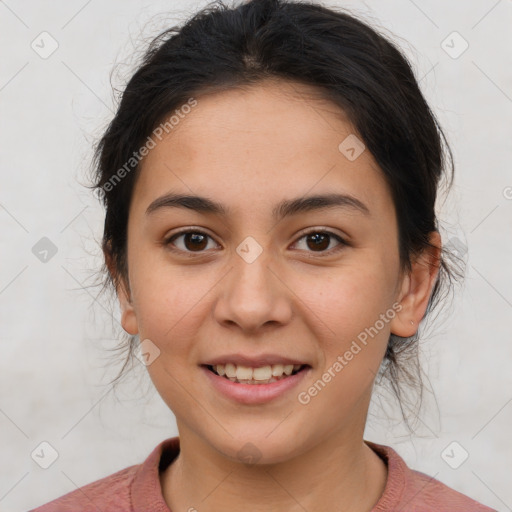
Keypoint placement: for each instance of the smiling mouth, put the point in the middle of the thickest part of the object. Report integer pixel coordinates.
(262, 375)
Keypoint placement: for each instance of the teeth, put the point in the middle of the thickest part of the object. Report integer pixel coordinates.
(230, 370)
(262, 374)
(277, 370)
(288, 369)
(243, 373)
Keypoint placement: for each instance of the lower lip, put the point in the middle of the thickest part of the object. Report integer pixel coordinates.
(254, 393)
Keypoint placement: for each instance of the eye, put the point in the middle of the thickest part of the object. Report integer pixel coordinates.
(195, 241)
(191, 241)
(319, 241)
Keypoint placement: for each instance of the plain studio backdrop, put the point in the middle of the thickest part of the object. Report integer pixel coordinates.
(56, 365)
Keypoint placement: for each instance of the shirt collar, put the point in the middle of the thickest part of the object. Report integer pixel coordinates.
(146, 491)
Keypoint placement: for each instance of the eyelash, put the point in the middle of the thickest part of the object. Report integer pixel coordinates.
(168, 242)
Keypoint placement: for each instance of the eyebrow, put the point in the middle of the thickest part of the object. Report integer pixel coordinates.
(284, 209)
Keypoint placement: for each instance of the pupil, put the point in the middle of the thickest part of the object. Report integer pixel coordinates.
(319, 240)
(195, 238)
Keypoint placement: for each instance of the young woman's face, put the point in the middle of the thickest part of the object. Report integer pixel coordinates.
(265, 281)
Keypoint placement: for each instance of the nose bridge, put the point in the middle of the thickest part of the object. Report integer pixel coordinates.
(252, 295)
(251, 267)
(251, 274)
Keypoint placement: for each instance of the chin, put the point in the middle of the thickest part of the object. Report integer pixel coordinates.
(257, 447)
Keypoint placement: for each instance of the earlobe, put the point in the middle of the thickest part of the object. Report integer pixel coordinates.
(128, 317)
(417, 287)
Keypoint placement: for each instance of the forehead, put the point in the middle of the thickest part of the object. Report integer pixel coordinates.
(258, 144)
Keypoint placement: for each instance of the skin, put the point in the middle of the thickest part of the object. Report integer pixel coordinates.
(249, 149)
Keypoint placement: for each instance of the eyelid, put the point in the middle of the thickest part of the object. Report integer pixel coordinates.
(322, 229)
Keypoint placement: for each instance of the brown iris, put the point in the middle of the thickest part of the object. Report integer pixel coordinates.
(320, 241)
(198, 241)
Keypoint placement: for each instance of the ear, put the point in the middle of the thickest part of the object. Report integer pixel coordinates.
(128, 316)
(417, 286)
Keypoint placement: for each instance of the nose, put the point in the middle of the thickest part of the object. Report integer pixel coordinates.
(253, 296)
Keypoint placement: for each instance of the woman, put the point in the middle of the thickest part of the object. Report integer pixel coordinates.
(291, 145)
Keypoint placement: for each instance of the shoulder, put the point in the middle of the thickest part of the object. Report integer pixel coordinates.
(132, 488)
(425, 493)
(413, 491)
(107, 494)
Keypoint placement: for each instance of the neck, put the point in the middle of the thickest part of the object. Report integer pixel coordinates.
(339, 470)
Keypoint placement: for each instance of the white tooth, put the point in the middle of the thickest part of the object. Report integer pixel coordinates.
(263, 373)
(243, 372)
(288, 369)
(277, 370)
(220, 369)
(230, 370)
(296, 367)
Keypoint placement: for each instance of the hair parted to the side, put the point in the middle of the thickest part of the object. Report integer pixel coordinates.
(347, 62)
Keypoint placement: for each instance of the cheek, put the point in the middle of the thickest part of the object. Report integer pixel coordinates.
(171, 307)
(350, 313)
(352, 306)
(349, 299)
(174, 303)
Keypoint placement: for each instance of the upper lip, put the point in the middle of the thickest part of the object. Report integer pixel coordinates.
(254, 361)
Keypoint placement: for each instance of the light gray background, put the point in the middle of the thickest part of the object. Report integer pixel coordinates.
(54, 364)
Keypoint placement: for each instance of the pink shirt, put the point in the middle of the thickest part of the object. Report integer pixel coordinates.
(137, 488)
